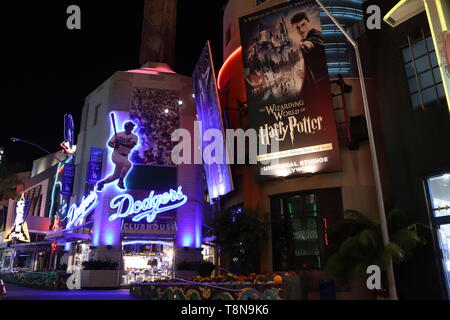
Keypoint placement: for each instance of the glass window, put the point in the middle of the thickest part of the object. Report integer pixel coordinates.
(421, 68)
(422, 64)
(439, 188)
(419, 49)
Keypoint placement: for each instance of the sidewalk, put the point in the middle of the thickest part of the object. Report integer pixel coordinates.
(15, 292)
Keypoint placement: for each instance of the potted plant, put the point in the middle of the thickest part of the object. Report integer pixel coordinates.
(99, 274)
(186, 269)
(357, 244)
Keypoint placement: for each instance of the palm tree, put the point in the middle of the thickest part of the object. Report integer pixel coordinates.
(358, 244)
(8, 182)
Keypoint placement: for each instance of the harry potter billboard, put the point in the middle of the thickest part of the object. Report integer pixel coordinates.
(288, 90)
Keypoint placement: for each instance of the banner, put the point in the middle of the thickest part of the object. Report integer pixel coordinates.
(288, 90)
(68, 179)
(94, 172)
(218, 175)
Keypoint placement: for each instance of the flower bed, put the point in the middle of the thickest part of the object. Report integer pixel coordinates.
(251, 278)
(39, 280)
(227, 287)
(183, 291)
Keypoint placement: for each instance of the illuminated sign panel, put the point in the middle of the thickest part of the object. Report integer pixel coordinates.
(288, 90)
(19, 230)
(163, 228)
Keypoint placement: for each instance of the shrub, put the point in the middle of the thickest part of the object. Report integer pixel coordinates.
(205, 268)
(100, 265)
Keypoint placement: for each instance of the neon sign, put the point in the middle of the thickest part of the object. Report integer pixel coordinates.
(20, 228)
(149, 208)
(77, 214)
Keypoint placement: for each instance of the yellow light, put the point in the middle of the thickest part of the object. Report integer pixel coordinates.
(388, 15)
(438, 55)
(441, 15)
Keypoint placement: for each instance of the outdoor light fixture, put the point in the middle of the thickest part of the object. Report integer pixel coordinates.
(166, 111)
(180, 102)
(37, 146)
(402, 11)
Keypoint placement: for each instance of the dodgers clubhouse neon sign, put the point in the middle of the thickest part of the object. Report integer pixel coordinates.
(126, 206)
(148, 208)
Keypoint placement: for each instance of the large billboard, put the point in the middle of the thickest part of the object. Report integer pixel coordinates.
(218, 173)
(288, 90)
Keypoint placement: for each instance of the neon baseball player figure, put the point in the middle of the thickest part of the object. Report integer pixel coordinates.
(122, 142)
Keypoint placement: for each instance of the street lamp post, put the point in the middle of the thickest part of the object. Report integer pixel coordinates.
(373, 151)
(37, 146)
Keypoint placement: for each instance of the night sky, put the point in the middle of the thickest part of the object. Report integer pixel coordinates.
(48, 70)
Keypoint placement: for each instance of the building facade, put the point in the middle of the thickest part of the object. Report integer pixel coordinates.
(31, 252)
(153, 222)
(415, 113)
(313, 203)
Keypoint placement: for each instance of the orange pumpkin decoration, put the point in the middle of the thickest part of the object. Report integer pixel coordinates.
(277, 279)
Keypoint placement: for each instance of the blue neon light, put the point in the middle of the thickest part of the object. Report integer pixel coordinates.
(129, 243)
(121, 118)
(148, 208)
(77, 214)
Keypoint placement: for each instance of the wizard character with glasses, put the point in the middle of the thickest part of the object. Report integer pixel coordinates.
(312, 47)
(123, 143)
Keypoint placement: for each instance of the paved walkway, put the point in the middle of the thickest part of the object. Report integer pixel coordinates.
(15, 292)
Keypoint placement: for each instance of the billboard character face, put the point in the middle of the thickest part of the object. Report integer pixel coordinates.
(122, 143)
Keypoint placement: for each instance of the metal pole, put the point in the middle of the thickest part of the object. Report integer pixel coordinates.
(373, 152)
(37, 146)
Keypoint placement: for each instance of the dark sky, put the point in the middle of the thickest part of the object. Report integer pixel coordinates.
(48, 70)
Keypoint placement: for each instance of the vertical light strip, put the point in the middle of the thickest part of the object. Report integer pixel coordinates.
(438, 53)
(441, 15)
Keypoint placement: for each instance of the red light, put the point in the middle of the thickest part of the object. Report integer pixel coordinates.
(227, 62)
(325, 222)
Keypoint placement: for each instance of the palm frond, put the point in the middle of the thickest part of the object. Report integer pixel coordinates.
(360, 218)
(392, 251)
(369, 239)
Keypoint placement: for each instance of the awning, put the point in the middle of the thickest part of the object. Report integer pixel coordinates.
(69, 234)
(31, 244)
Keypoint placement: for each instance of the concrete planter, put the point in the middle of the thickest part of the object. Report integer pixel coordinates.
(91, 279)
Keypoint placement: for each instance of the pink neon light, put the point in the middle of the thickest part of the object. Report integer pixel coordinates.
(226, 63)
(326, 231)
(157, 70)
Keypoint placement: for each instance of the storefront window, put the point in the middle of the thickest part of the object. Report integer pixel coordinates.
(208, 253)
(439, 188)
(439, 205)
(146, 261)
(444, 243)
(299, 227)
